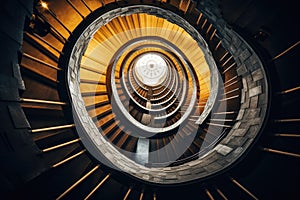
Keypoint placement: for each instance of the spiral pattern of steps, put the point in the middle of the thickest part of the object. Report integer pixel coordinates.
(135, 95)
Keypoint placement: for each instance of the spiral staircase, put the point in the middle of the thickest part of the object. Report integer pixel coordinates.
(149, 99)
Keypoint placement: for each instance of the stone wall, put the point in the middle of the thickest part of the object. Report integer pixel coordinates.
(20, 159)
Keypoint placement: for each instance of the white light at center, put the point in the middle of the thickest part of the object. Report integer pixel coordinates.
(151, 69)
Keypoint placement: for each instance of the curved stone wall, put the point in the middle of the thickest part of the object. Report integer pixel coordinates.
(247, 126)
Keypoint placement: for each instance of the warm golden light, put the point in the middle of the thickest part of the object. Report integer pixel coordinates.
(44, 4)
(151, 71)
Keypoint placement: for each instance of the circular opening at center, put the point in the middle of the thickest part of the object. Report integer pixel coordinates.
(151, 69)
